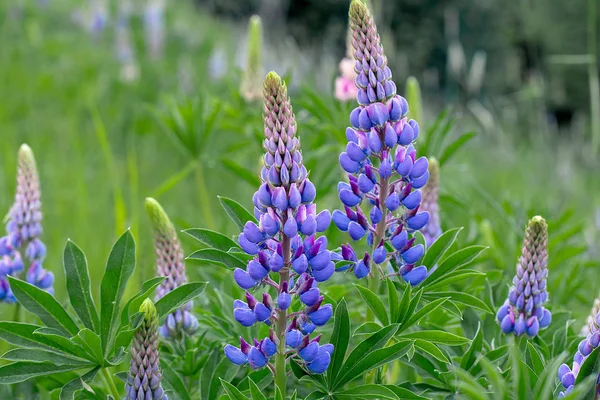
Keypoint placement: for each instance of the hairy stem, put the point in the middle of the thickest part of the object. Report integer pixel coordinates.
(284, 276)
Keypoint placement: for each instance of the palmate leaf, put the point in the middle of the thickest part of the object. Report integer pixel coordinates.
(62, 342)
(44, 306)
(133, 305)
(70, 389)
(454, 261)
(440, 246)
(119, 268)
(91, 343)
(213, 239)
(178, 297)
(79, 287)
(22, 335)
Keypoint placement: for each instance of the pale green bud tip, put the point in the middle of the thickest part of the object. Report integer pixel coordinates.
(358, 10)
(26, 157)
(538, 222)
(274, 85)
(147, 308)
(159, 218)
(255, 24)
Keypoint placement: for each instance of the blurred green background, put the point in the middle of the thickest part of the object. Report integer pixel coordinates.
(519, 74)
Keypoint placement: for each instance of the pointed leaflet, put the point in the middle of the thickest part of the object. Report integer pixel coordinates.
(339, 339)
(236, 212)
(39, 355)
(22, 370)
(455, 260)
(119, 268)
(43, 305)
(439, 247)
(22, 335)
(133, 305)
(219, 257)
(70, 389)
(173, 383)
(255, 391)
(213, 239)
(375, 304)
(78, 286)
(232, 391)
(436, 336)
(178, 297)
(392, 300)
(468, 359)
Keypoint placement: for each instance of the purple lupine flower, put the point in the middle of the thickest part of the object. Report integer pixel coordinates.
(143, 380)
(429, 202)
(524, 311)
(590, 323)
(21, 248)
(284, 242)
(124, 48)
(381, 163)
(170, 264)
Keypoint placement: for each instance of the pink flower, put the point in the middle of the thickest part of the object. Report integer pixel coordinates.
(345, 89)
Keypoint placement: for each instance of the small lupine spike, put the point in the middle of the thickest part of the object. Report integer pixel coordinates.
(170, 264)
(251, 87)
(345, 89)
(524, 311)
(591, 325)
(144, 378)
(430, 203)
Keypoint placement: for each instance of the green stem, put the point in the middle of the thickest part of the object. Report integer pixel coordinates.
(280, 360)
(203, 195)
(111, 383)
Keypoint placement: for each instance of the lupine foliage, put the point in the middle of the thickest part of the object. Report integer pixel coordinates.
(270, 272)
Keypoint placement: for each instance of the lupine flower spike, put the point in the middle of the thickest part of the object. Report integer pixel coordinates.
(284, 243)
(568, 375)
(154, 25)
(124, 45)
(251, 87)
(524, 311)
(21, 247)
(590, 324)
(143, 380)
(170, 264)
(432, 230)
(382, 165)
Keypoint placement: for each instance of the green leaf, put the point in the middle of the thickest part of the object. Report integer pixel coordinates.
(431, 349)
(61, 342)
(368, 391)
(238, 214)
(589, 366)
(119, 268)
(212, 239)
(278, 394)
(374, 359)
(404, 304)
(214, 256)
(173, 382)
(178, 297)
(22, 335)
(367, 328)
(456, 260)
(455, 146)
(71, 388)
(223, 371)
(255, 391)
(404, 393)
(392, 299)
(436, 336)
(232, 391)
(39, 356)
(339, 339)
(43, 305)
(374, 303)
(440, 246)
(537, 360)
(456, 276)
(364, 348)
(78, 286)
(91, 342)
(465, 298)
(133, 305)
(519, 380)
(468, 359)
(240, 172)
(22, 370)
(424, 311)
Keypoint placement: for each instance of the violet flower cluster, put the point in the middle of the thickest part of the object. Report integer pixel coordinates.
(170, 264)
(568, 375)
(286, 248)
(381, 163)
(524, 311)
(144, 377)
(21, 247)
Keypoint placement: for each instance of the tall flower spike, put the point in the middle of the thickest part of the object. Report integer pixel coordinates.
(143, 380)
(381, 163)
(170, 264)
(429, 202)
(283, 243)
(524, 312)
(21, 247)
(251, 87)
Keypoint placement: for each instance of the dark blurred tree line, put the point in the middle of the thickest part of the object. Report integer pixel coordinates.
(457, 48)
